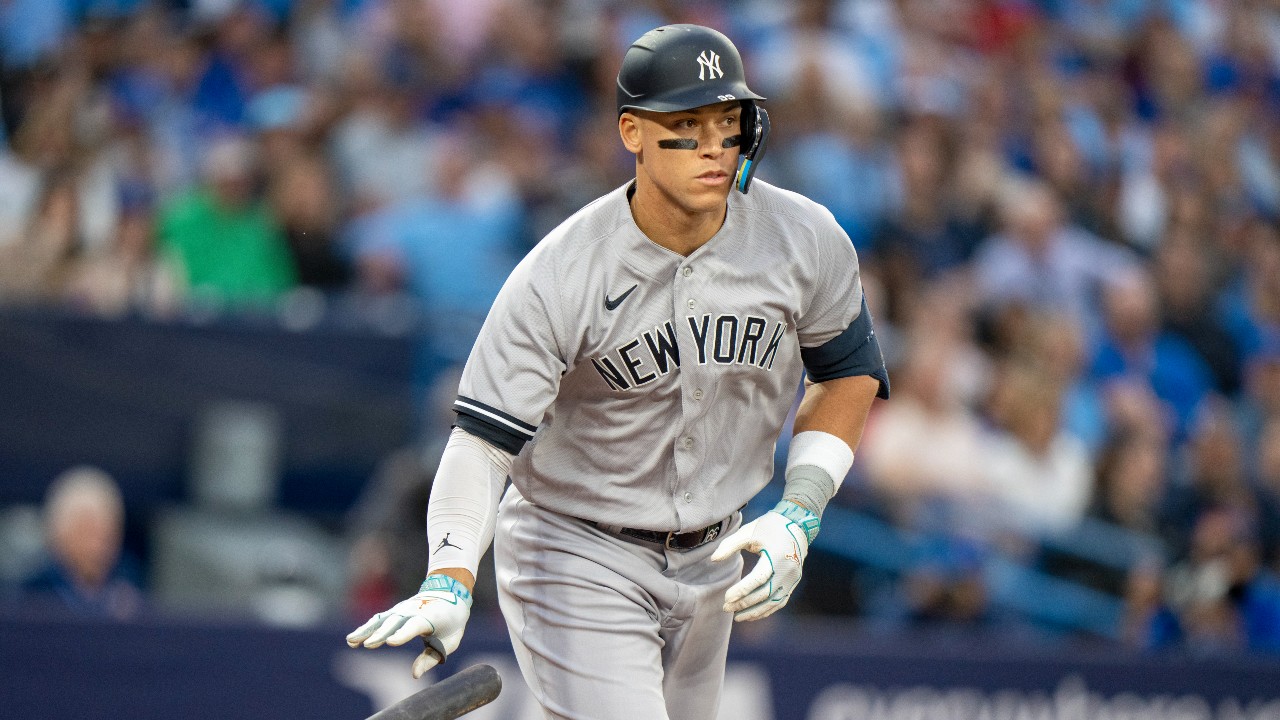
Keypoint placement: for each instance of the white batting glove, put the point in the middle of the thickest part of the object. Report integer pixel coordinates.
(438, 614)
(781, 537)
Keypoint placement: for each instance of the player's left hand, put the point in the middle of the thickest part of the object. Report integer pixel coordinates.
(781, 537)
(438, 614)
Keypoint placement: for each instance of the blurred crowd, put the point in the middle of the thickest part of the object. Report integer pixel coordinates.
(1067, 213)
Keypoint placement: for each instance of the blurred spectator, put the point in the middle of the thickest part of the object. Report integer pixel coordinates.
(1148, 621)
(1185, 278)
(158, 89)
(1131, 484)
(279, 117)
(1265, 471)
(1259, 404)
(451, 251)
(1250, 306)
(1218, 478)
(911, 476)
(20, 183)
(1136, 349)
(225, 240)
(230, 36)
(1057, 159)
(1132, 407)
(1041, 477)
(381, 147)
(87, 571)
(320, 38)
(31, 32)
(812, 46)
(839, 156)
(815, 72)
(1040, 263)
(128, 276)
(1222, 598)
(1158, 170)
(1132, 480)
(304, 198)
(34, 266)
(527, 72)
(1055, 345)
(930, 230)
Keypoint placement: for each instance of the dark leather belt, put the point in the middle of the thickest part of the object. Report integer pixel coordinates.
(670, 539)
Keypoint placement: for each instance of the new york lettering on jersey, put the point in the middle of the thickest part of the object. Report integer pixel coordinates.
(724, 339)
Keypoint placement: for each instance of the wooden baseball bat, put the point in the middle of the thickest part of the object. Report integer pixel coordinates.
(448, 699)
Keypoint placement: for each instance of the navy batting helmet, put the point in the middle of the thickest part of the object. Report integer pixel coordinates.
(681, 67)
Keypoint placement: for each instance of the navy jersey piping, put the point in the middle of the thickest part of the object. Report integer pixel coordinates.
(499, 428)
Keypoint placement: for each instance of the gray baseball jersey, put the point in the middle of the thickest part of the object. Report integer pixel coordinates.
(651, 387)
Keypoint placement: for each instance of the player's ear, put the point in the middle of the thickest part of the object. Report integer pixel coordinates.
(629, 131)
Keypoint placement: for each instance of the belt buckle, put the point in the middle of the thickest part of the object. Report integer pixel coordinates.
(709, 533)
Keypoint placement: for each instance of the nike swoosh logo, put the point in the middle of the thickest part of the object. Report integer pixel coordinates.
(613, 304)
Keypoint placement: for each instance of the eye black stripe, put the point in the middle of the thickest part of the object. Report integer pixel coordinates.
(678, 144)
(731, 142)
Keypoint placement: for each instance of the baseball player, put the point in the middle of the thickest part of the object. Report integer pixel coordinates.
(631, 380)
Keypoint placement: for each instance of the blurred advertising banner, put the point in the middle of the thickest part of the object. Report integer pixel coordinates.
(59, 668)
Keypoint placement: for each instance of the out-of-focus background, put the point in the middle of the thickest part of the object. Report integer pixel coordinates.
(245, 244)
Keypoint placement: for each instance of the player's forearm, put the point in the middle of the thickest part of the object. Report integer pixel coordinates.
(828, 427)
(838, 407)
(464, 505)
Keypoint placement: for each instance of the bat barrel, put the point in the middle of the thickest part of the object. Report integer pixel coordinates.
(448, 699)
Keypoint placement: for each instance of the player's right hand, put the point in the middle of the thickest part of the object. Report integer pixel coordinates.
(781, 537)
(438, 614)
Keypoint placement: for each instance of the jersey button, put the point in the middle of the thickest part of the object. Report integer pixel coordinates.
(691, 303)
(688, 271)
(688, 497)
(697, 394)
(686, 443)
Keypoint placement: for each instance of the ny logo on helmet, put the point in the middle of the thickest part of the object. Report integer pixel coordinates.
(709, 66)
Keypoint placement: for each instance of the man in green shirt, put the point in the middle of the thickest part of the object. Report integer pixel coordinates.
(223, 238)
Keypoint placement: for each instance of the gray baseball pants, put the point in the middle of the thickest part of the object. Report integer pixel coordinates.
(607, 627)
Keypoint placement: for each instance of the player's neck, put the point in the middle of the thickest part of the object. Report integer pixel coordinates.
(675, 228)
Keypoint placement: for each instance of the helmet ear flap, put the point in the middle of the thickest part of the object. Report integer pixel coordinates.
(755, 127)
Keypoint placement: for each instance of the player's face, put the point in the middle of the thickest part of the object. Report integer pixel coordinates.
(682, 154)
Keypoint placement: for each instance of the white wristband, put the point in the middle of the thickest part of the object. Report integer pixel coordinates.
(822, 450)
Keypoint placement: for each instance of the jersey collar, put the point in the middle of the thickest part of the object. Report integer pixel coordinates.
(648, 257)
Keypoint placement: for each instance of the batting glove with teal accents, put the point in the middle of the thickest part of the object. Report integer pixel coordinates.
(781, 537)
(438, 614)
